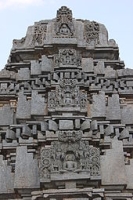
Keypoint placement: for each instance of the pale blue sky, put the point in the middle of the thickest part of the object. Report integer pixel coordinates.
(116, 15)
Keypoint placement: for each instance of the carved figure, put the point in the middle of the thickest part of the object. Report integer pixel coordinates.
(67, 95)
(64, 26)
(71, 154)
(70, 164)
(64, 30)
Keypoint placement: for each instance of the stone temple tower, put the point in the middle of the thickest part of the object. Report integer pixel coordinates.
(66, 115)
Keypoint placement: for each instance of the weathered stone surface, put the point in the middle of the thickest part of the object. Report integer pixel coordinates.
(6, 115)
(85, 125)
(66, 114)
(125, 72)
(26, 170)
(23, 74)
(129, 172)
(65, 124)
(127, 114)
(6, 177)
(77, 123)
(103, 35)
(94, 125)
(35, 67)
(99, 68)
(46, 64)
(10, 134)
(109, 130)
(109, 72)
(97, 108)
(87, 64)
(23, 107)
(113, 108)
(26, 131)
(53, 125)
(4, 74)
(124, 134)
(112, 166)
(38, 106)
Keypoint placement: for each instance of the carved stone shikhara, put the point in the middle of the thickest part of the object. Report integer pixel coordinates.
(66, 115)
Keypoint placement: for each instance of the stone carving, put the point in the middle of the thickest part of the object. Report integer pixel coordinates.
(91, 32)
(67, 57)
(64, 26)
(66, 115)
(70, 154)
(45, 163)
(52, 100)
(39, 34)
(67, 95)
(69, 136)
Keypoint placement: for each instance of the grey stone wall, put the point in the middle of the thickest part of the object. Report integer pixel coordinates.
(66, 115)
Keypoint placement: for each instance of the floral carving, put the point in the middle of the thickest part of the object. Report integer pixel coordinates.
(91, 32)
(45, 163)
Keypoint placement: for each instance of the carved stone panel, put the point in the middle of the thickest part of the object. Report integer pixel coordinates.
(67, 97)
(69, 136)
(70, 158)
(91, 32)
(64, 26)
(39, 34)
(67, 58)
(45, 163)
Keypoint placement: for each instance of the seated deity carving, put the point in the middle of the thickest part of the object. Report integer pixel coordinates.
(70, 164)
(64, 30)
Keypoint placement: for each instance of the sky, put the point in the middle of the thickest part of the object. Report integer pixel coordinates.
(116, 15)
